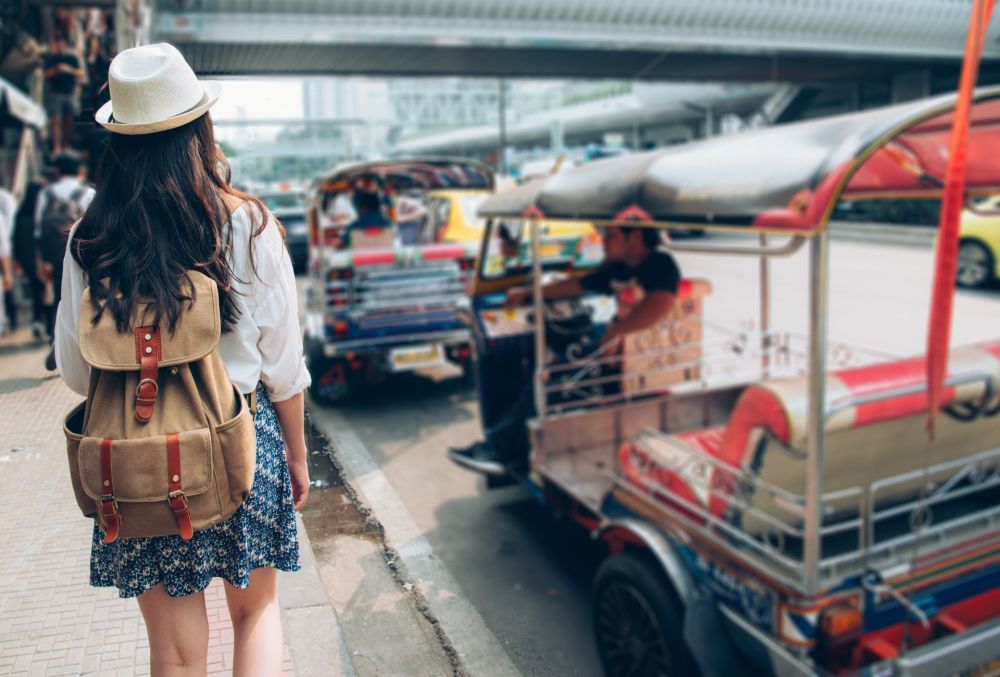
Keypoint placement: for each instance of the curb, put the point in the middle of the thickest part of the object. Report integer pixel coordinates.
(312, 629)
(466, 637)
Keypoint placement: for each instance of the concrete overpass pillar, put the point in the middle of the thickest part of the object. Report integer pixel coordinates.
(502, 146)
(557, 136)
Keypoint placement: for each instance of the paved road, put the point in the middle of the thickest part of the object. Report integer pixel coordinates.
(528, 577)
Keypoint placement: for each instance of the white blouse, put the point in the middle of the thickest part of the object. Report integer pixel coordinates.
(266, 342)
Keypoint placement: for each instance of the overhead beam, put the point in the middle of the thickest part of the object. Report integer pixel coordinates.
(793, 41)
(890, 28)
(262, 59)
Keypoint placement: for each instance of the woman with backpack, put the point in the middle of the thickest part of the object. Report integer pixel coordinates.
(165, 214)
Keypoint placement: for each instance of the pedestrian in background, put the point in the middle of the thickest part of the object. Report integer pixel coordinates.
(7, 207)
(162, 208)
(63, 75)
(59, 206)
(25, 250)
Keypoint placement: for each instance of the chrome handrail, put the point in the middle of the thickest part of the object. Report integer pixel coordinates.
(866, 551)
(794, 243)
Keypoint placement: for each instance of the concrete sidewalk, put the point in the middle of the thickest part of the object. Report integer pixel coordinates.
(51, 621)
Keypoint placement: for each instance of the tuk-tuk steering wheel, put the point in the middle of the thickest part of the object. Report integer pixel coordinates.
(567, 321)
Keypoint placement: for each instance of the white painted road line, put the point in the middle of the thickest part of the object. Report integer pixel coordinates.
(478, 650)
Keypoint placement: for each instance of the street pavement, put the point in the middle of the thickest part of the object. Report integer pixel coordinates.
(51, 621)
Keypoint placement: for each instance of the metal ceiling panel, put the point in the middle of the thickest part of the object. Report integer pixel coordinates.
(682, 39)
(404, 60)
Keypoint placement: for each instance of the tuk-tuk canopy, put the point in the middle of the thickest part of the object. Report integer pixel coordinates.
(416, 174)
(786, 177)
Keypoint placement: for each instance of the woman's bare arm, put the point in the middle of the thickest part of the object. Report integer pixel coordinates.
(291, 418)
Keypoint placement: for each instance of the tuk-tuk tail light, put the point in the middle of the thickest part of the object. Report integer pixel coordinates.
(840, 620)
(840, 628)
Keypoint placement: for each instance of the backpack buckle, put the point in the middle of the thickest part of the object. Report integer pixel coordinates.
(112, 517)
(152, 382)
(145, 398)
(179, 504)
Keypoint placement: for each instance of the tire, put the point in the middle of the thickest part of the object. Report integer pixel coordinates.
(975, 264)
(319, 366)
(638, 621)
(469, 373)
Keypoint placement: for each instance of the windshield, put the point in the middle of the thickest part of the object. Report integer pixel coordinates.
(564, 246)
(469, 204)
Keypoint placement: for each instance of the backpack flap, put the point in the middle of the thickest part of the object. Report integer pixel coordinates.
(139, 467)
(153, 475)
(195, 336)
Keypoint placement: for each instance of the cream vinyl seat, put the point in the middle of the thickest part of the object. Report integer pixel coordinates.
(867, 443)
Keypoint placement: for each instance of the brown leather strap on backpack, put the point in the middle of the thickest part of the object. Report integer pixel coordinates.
(148, 352)
(109, 506)
(178, 501)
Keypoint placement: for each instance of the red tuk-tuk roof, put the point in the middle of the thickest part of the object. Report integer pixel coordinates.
(783, 177)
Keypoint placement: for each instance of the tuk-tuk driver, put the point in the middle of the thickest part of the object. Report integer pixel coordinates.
(632, 262)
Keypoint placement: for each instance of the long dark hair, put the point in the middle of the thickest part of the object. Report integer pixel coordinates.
(159, 212)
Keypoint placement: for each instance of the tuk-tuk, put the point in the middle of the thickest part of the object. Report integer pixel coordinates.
(386, 302)
(770, 501)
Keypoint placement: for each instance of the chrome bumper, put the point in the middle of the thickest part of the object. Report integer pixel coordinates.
(333, 349)
(949, 655)
(945, 656)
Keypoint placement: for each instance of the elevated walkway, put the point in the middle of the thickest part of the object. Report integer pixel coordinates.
(733, 40)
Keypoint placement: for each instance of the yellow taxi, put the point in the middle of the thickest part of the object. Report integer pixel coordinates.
(452, 217)
(979, 244)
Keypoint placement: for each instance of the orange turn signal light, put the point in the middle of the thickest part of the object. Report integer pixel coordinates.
(840, 621)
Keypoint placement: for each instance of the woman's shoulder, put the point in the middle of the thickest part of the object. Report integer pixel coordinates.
(253, 230)
(246, 216)
(233, 202)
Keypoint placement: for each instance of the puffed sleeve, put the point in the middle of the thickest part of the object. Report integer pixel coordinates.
(274, 305)
(74, 371)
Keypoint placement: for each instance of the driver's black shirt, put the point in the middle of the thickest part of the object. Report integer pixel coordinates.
(658, 272)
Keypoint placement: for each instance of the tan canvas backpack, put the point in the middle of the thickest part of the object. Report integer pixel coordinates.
(164, 444)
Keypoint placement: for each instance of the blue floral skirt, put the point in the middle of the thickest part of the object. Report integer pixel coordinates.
(261, 533)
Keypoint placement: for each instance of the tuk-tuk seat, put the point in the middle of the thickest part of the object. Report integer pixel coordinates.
(766, 438)
(646, 372)
(373, 238)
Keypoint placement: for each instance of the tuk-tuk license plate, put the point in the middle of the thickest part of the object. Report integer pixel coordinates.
(416, 357)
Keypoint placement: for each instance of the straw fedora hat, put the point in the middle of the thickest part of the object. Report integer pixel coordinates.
(153, 89)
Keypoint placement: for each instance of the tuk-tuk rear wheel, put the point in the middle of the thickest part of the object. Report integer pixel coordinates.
(638, 621)
(322, 390)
